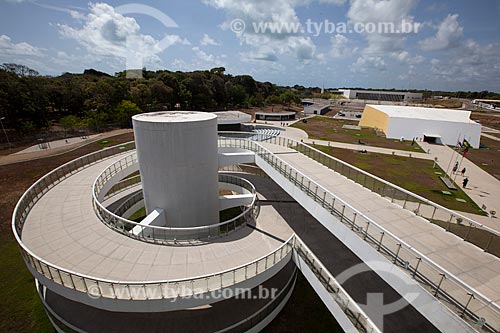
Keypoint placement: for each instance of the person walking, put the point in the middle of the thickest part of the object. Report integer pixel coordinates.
(463, 171)
(455, 168)
(465, 182)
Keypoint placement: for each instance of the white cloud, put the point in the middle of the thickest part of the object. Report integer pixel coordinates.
(207, 40)
(366, 63)
(394, 12)
(108, 33)
(267, 45)
(405, 57)
(333, 2)
(7, 47)
(472, 63)
(448, 35)
(341, 47)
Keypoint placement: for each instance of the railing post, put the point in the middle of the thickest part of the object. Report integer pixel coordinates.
(380, 242)
(354, 221)
(467, 304)
(439, 284)
(397, 253)
(342, 216)
(416, 267)
(366, 231)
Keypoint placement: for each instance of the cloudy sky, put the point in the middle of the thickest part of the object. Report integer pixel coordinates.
(446, 44)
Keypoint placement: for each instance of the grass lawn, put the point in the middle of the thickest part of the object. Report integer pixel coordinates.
(323, 128)
(487, 157)
(412, 174)
(139, 215)
(21, 309)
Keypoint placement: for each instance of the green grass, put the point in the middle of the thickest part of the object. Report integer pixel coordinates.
(412, 174)
(329, 129)
(21, 310)
(139, 215)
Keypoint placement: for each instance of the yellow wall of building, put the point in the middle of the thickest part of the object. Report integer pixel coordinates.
(374, 118)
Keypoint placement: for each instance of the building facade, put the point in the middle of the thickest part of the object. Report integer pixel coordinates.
(444, 126)
(373, 95)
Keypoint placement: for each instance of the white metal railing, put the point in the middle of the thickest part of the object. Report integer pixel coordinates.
(348, 305)
(166, 235)
(458, 295)
(406, 199)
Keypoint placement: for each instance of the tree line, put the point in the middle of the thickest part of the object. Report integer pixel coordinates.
(30, 102)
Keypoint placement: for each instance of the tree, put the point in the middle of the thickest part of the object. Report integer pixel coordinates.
(236, 95)
(70, 122)
(289, 97)
(124, 111)
(19, 70)
(273, 99)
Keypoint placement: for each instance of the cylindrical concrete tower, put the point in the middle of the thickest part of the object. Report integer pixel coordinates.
(178, 162)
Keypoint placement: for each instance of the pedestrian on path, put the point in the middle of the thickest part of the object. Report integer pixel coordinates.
(465, 181)
(463, 171)
(455, 168)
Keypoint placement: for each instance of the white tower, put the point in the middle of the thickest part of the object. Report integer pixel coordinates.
(178, 162)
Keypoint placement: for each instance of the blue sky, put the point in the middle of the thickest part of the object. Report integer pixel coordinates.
(453, 45)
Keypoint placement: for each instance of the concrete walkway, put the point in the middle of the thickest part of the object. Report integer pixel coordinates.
(483, 188)
(58, 149)
(372, 149)
(59, 143)
(489, 136)
(473, 266)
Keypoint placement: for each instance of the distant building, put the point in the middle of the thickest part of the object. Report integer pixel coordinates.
(487, 103)
(276, 116)
(231, 120)
(444, 126)
(373, 95)
(316, 109)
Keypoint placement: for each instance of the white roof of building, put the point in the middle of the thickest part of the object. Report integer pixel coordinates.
(232, 117)
(381, 91)
(173, 116)
(414, 112)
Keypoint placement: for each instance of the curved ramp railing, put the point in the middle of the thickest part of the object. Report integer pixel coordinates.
(168, 235)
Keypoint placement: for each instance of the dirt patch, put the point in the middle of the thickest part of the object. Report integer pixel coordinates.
(487, 157)
(443, 103)
(488, 120)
